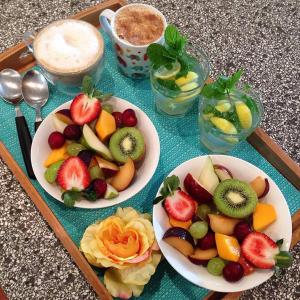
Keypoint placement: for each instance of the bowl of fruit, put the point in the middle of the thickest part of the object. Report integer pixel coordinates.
(94, 154)
(222, 223)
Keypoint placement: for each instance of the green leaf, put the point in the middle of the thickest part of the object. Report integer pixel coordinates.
(171, 184)
(70, 197)
(174, 39)
(87, 85)
(234, 79)
(89, 195)
(184, 67)
(279, 243)
(159, 55)
(158, 199)
(284, 259)
(169, 84)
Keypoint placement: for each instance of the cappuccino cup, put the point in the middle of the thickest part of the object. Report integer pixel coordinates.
(66, 51)
(132, 28)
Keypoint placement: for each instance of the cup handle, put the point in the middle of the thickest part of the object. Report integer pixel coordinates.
(28, 38)
(105, 19)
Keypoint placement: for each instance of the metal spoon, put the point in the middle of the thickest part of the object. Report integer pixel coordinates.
(10, 91)
(35, 92)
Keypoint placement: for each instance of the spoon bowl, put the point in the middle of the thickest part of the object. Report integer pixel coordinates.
(10, 86)
(35, 92)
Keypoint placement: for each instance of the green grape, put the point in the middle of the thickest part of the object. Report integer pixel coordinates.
(51, 173)
(96, 173)
(215, 266)
(108, 107)
(198, 229)
(202, 211)
(74, 148)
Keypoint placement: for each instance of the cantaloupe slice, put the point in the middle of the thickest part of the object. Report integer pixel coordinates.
(106, 125)
(56, 155)
(263, 216)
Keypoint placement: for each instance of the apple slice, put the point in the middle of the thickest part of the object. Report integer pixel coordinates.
(180, 239)
(208, 178)
(58, 124)
(222, 172)
(201, 257)
(65, 116)
(94, 143)
(109, 169)
(124, 176)
(261, 186)
(222, 224)
(196, 190)
(111, 192)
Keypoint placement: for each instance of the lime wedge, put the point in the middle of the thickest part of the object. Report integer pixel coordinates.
(244, 114)
(224, 125)
(223, 106)
(191, 76)
(163, 73)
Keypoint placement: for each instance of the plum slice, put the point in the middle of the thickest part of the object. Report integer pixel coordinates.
(180, 239)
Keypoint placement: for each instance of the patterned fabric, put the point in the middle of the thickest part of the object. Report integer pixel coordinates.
(179, 142)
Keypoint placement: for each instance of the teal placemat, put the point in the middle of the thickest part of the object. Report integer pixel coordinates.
(179, 142)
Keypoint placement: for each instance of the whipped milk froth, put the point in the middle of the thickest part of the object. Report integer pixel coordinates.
(68, 46)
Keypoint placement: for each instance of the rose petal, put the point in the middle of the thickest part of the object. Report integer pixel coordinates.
(140, 258)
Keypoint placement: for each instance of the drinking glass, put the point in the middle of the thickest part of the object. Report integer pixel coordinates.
(177, 103)
(213, 138)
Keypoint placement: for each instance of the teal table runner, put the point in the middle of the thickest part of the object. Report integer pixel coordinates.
(179, 140)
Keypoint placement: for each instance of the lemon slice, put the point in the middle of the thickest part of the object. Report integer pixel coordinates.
(224, 125)
(163, 73)
(189, 86)
(188, 97)
(191, 76)
(244, 114)
(223, 106)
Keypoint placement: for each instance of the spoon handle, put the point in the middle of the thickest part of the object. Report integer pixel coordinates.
(25, 143)
(37, 124)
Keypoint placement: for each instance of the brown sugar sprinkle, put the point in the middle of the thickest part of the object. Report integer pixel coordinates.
(139, 25)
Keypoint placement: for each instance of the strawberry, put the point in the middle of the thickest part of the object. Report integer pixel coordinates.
(248, 268)
(84, 109)
(180, 206)
(73, 175)
(261, 251)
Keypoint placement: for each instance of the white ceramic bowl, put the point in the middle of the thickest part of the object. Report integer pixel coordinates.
(282, 228)
(40, 150)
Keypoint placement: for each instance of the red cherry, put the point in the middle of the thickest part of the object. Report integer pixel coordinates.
(100, 187)
(208, 241)
(56, 140)
(241, 230)
(129, 118)
(72, 132)
(118, 118)
(233, 271)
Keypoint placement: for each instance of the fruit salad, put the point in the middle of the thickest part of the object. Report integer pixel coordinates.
(176, 76)
(94, 149)
(217, 221)
(228, 113)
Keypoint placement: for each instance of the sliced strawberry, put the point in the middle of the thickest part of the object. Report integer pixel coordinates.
(180, 206)
(260, 250)
(84, 109)
(73, 175)
(248, 268)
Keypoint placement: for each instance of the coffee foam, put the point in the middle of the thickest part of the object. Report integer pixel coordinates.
(138, 25)
(68, 46)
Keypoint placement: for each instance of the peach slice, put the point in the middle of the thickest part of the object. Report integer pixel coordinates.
(228, 247)
(200, 257)
(124, 176)
(222, 224)
(106, 125)
(261, 186)
(176, 223)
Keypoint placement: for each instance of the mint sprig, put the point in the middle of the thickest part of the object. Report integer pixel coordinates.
(171, 184)
(88, 88)
(172, 51)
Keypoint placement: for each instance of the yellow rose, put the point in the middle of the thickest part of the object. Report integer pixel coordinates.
(125, 243)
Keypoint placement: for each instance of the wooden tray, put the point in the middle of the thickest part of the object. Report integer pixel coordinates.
(259, 140)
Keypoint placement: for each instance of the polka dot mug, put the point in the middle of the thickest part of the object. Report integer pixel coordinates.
(132, 59)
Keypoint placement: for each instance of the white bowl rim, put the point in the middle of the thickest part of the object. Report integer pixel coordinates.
(155, 156)
(183, 267)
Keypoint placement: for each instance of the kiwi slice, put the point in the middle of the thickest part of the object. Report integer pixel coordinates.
(235, 198)
(127, 142)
